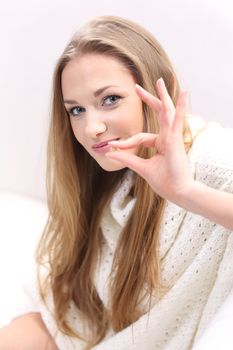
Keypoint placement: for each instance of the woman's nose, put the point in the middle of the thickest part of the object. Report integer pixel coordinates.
(95, 125)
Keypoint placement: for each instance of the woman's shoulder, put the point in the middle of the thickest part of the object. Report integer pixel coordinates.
(211, 152)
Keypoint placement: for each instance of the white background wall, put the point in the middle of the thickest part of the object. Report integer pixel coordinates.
(197, 34)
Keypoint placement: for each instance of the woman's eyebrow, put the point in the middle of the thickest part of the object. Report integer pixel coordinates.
(100, 90)
(96, 94)
(70, 102)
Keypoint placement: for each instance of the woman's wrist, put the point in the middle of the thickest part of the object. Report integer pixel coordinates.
(214, 204)
(191, 196)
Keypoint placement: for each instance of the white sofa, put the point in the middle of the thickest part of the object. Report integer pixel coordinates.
(22, 219)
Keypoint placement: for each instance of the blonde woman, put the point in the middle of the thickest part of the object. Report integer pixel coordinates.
(120, 266)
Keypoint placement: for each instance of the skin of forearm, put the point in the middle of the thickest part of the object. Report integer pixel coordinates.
(213, 204)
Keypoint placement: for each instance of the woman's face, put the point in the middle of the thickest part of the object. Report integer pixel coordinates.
(99, 95)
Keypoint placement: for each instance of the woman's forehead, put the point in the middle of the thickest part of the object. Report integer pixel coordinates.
(95, 73)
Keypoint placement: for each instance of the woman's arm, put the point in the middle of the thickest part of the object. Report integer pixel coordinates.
(213, 204)
(167, 172)
(27, 332)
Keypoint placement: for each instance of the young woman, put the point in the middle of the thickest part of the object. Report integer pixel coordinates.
(126, 260)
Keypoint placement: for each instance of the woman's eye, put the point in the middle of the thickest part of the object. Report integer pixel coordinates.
(76, 111)
(110, 100)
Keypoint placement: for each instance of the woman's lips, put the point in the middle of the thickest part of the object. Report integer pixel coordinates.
(103, 147)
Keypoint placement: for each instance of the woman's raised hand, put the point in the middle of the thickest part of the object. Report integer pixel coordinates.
(167, 172)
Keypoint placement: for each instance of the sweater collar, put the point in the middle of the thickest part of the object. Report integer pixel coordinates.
(122, 202)
(117, 213)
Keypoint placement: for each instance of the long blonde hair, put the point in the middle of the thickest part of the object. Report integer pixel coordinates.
(71, 242)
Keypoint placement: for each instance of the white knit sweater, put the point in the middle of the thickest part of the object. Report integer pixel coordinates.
(196, 261)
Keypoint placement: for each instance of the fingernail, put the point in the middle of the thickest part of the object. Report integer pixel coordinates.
(139, 86)
(114, 149)
(160, 80)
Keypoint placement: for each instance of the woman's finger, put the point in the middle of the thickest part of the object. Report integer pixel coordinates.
(167, 102)
(149, 99)
(145, 139)
(163, 105)
(131, 161)
(181, 108)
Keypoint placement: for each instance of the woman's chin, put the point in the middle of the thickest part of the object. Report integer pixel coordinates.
(111, 165)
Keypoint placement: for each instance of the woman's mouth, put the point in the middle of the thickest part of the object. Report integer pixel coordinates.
(103, 147)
